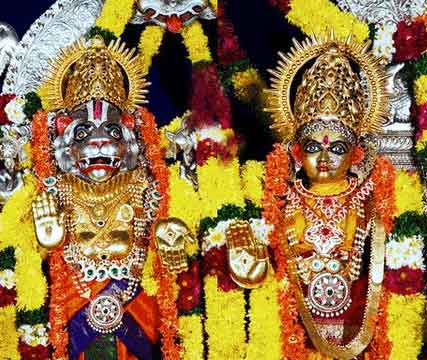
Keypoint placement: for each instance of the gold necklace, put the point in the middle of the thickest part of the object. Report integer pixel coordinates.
(376, 273)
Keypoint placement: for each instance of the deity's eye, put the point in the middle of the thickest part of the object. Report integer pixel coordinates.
(338, 148)
(80, 134)
(115, 131)
(312, 147)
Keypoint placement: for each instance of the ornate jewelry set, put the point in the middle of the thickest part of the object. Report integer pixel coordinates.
(328, 271)
(131, 199)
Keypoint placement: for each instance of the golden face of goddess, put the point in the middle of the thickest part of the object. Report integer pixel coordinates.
(326, 156)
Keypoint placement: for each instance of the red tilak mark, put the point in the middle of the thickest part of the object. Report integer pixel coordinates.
(98, 110)
(326, 140)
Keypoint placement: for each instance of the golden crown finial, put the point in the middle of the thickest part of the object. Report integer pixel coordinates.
(330, 88)
(87, 71)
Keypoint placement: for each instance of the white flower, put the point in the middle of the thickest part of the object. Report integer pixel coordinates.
(34, 335)
(7, 279)
(216, 236)
(261, 230)
(405, 252)
(216, 133)
(15, 110)
(383, 43)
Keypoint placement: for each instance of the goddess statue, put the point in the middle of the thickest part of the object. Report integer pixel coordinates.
(96, 215)
(319, 270)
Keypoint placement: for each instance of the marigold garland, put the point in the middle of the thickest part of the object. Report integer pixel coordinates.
(408, 190)
(40, 143)
(384, 197)
(225, 314)
(18, 231)
(196, 43)
(9, 341)
(276, 177)
(149, 44)
(248, 85)
(322, 16)
(184, 201)
(219, 184)
(380, 346)
(149, 282)
(406, 325)
(420, 90)
(191, 334)
(252, 181)
(166, 295)
(264, 327)
(115, 15)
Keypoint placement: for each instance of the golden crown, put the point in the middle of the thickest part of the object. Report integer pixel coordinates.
(93, 71)
(330, 89)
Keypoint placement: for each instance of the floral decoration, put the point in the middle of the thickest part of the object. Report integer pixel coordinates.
(410, 40)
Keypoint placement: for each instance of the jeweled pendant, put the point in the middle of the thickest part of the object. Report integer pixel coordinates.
(105, 314)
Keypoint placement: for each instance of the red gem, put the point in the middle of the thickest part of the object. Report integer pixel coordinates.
(327, 201)
(325, 231)
(174, 23)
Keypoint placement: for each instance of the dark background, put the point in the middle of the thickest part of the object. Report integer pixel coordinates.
(262, 31)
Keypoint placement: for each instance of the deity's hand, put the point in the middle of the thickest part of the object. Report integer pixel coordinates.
(247, 258)
(171, 235)
(50, 228)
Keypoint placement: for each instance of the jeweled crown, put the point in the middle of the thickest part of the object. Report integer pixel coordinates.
(330, 88)
(93, 71)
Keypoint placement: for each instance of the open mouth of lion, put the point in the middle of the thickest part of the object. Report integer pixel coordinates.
(107, 163)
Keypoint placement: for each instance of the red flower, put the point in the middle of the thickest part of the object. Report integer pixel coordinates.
(404, 281)
(215, 263)
(190, 288)
(38, 352)
(410, 40)
(4, 100)
(282, 5)
(229, 50)
(421, 115)
(7, 297)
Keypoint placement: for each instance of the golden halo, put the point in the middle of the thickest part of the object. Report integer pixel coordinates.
(131, 65)
(284, 121)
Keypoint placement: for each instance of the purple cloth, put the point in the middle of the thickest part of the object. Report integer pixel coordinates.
(130, 333)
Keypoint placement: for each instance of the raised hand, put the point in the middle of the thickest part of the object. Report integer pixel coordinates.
(50, 228)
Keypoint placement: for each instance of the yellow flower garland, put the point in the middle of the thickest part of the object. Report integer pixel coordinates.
(420, 90)
(405, 317)
(248, 85)
(196, 43)
(17, 230)
(191, 334)
(149, 44)
(148, 280)
(252, 181)
(408, 192)
(422, 141)
(264, 328)
(225, 322)
(219, 184)
(321, 16)
(214, 4)
(9, 340)
(115, 15)
(184, 203)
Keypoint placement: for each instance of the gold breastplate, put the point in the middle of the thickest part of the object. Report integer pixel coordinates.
(100, 217)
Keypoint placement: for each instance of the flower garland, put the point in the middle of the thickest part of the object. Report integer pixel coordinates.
(219, 322)
(166, 295)
(264, 327)
(40, 143)
(196, 43)
(191, 333)
(9, 343)
(219, 184)
(322, 16)
(149, 44)
(115, 15)
(406, 319)
(253, 173)
(408, 192)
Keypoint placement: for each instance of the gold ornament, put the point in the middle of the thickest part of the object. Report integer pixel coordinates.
(247, 258)
(330, 88)
(171, 235)
(88, 71)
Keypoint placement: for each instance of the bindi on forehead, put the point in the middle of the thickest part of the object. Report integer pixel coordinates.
(325, 140)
